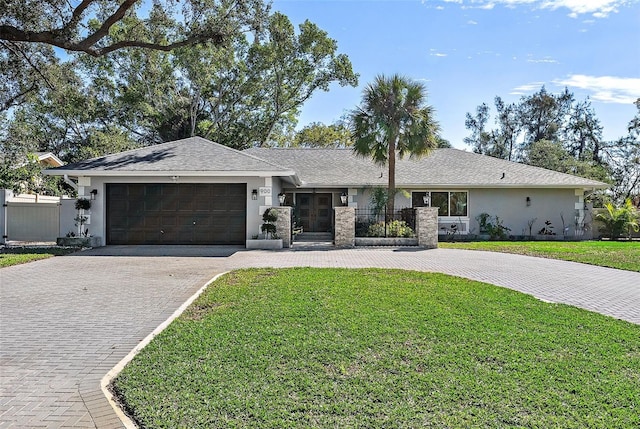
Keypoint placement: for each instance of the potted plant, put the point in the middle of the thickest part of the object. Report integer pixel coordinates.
(82, 204)
(82, 238)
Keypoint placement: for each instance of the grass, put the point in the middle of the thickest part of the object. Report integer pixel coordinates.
(315, 348)
(613, 254)
(22, 255)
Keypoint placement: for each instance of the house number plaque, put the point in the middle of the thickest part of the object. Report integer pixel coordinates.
(264, 191)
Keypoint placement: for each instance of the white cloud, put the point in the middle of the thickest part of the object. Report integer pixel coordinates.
(434, 53)
(596, 8)
(472, 22)
(543, 60)
(607, 89)
(527, 88)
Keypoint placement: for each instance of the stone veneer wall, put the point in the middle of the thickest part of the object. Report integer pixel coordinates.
(345, 226)
(427, 227)
(283, 225)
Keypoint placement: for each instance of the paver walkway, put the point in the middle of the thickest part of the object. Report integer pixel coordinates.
(66, 321)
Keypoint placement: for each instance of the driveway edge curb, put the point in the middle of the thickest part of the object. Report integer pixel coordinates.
(108, 378)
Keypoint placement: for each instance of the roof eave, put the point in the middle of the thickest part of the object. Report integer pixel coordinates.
(462, 185)
(511, 185)
(151, 173)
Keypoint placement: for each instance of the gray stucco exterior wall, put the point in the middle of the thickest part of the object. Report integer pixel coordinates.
(511, 206)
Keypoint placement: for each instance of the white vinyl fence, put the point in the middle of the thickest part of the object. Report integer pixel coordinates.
(35, 219)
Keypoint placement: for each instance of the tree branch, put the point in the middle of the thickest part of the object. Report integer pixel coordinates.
(13, 34)
(76, 16)
(107, 24)
(10, 102)
(57, 37)
(27, 58)
(216, 37)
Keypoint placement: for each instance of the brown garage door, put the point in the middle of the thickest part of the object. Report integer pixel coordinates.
(199, 213)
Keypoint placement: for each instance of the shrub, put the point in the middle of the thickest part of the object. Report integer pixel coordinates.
(396, 228)
(492, 226)
(83, 204)
(268, 228)
(619, 221)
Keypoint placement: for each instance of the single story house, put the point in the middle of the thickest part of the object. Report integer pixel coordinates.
(194, 191)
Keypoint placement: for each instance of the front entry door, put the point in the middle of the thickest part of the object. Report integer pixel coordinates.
(314, 212)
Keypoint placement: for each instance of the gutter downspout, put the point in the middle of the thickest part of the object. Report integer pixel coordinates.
(70, 182)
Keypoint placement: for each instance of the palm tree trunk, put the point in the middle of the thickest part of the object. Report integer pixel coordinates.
(391, 191)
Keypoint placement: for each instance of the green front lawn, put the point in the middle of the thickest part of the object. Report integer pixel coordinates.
(315, 348)
(614, 254)
(22, 255)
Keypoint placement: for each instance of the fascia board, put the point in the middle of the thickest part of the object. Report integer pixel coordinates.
(506, 186)
(147, 173)
(460, 186)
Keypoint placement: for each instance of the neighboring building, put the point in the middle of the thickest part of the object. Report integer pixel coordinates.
(194, 191)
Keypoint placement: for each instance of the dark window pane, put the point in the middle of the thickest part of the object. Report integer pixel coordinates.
(458, 204)
(417, 199)
(440, 200)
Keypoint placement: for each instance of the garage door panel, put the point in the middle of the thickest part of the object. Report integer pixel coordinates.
(169, 204)
(176, 213)
(168, 236)
(169, 221)
(153, 221)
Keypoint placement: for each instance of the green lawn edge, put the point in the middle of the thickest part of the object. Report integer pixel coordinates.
(11, 256)
(307, 347)
(611, 254)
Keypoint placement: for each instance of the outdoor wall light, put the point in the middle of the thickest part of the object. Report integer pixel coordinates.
(426, 200)
(254, 194)
(93, 194)
(528, 201)
(282, 197)
(344, 198)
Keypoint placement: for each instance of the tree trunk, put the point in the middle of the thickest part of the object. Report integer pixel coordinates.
(391, 191)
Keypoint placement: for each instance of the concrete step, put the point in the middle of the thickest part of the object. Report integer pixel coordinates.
(314, 237)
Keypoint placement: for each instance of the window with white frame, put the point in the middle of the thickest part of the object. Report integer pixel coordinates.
(449, 203)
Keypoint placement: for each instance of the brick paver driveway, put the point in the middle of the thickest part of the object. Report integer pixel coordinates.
(65, 322)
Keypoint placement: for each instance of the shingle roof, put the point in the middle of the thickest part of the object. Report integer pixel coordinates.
(443, 167)
(190, 155)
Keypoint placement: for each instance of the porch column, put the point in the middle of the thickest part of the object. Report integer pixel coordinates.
(345, 226)
(427, 227)
(283, 225)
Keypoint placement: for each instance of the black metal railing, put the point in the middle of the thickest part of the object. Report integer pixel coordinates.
(378, 223)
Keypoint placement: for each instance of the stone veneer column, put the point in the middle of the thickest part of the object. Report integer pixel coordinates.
(283, 225)
(427, 227)
(345, 226)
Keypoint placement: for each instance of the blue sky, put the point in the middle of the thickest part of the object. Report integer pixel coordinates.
(467, 52)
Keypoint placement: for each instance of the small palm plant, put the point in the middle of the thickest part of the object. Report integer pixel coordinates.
(619, 221)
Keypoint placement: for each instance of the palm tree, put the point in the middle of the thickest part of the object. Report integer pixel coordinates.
(393, 119)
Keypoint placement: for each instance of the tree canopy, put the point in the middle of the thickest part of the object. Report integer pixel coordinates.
(245, 89)
(557, 132)
(30, 30)
(87, 26)
(317, 134)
